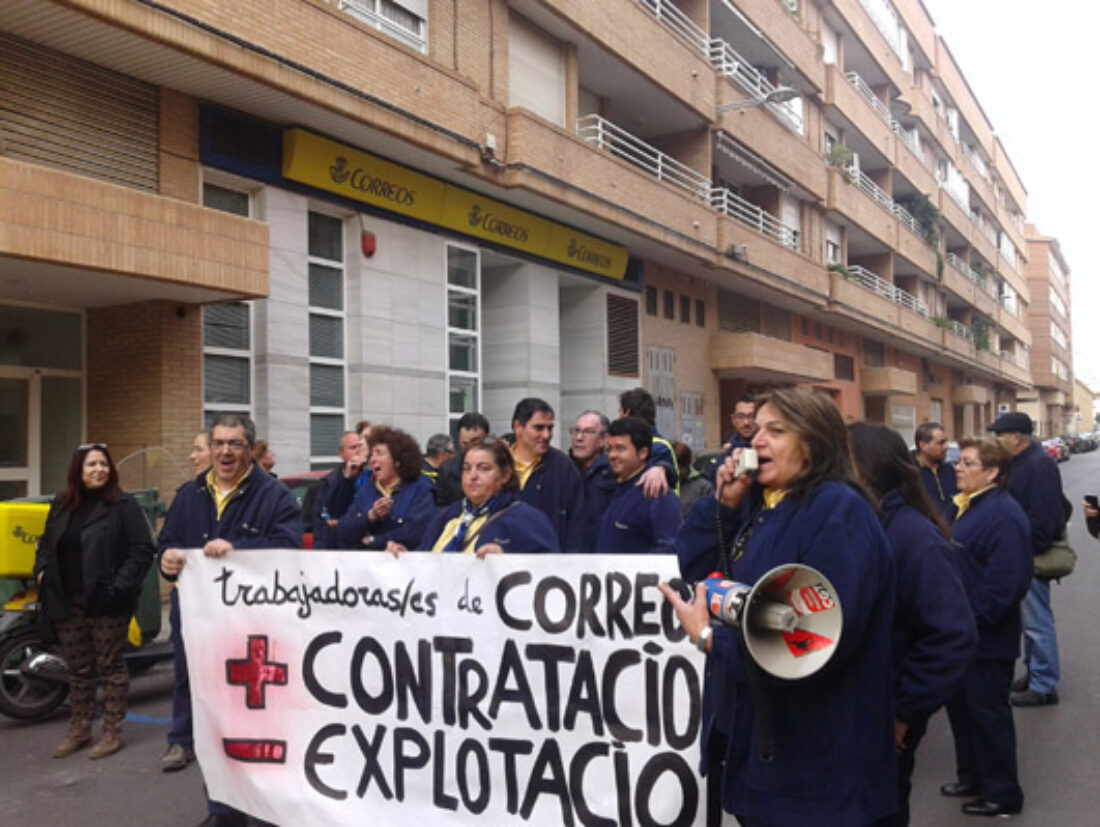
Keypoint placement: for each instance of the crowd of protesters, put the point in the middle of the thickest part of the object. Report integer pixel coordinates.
(931, 561)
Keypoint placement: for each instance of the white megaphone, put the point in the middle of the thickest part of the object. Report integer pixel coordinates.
(791, 619)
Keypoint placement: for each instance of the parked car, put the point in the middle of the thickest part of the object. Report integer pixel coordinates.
(304, 488)
(1056, 448)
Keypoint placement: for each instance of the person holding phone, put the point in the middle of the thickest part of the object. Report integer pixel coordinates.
(1092, 515)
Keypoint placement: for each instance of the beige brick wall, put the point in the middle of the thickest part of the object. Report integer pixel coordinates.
(690, 342)
(179, 146)
(144, 375)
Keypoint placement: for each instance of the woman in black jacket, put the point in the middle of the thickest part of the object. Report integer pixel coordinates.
(91, 560)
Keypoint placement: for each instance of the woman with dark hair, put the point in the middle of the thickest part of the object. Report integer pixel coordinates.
(90, 563)
(490, 518)
(934, 631)
(396, 503)
(819, 749)
(996, 568)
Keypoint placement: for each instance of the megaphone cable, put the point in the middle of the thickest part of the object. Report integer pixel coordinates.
(761, 710)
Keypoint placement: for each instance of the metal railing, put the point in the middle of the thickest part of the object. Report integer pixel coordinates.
(959, 329)
(985, 230)
(910, 140)
(879, 196)
(733, 205)
(620, 143)
(669, 15)
(964, 268)
(866, 278)
(729, 63)
(868, 94)
(358, 10)
(1015, 358)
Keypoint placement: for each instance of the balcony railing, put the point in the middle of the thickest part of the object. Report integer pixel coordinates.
(865, 278)
(620, 143)
(360, 11)
(728, 62)
(981, 281)
(879, 196)
(746, 212)
(883, 111)
(668, 14)
(1018, 359)
(959, 329)
(985, 229)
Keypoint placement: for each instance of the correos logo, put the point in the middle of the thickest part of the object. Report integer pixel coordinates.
(341, 173)
(491, 224)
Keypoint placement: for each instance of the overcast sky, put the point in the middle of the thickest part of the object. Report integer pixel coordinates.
(1026, 62)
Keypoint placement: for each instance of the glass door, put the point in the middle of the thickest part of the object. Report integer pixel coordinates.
(16, 461)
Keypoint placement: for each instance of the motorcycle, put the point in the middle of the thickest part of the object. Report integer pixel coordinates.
(34, 678)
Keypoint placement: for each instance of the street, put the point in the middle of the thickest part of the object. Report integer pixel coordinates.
(1057, 764)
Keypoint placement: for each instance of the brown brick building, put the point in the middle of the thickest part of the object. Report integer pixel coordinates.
(317, 210)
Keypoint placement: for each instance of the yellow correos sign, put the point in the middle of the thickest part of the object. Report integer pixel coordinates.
(342, 170)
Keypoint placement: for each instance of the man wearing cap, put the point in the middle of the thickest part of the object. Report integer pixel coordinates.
(1036, 484)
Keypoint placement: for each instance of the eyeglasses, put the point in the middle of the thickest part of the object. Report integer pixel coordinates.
(584, 432)
(742, 416)
(235, 444)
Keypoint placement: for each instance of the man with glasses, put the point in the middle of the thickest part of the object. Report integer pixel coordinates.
(743, 420)
(234, 505)
(588, 438)
(937, 474)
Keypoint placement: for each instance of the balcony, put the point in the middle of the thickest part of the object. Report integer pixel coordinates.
(883, 111)
(882, 199)
(70, 239)
(655, 207)
(606, 136)
(887, 381)
(784, 33)
(865, 278)
(736, 69)
(682, 26)
(746, 212)
(859, 105)
(970, 395)
(755, 357)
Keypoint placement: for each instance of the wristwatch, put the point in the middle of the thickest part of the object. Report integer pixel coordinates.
(704, 636)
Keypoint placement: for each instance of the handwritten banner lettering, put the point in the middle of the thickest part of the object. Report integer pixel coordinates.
(536, 689)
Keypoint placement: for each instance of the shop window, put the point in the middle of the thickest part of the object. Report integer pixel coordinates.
(327, 360)
(463, 333)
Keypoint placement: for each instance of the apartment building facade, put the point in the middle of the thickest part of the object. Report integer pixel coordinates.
(319, 210)
(1051, 402)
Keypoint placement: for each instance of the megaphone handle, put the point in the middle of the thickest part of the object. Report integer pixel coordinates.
(761, 709)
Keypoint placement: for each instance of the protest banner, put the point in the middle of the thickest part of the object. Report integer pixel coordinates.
(337, 688)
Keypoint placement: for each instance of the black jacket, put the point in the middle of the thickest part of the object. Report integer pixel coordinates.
(117, 549)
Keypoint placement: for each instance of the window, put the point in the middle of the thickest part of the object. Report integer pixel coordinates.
(227, 200)
(844, 367)
(700, 313)
(670, 305)
(1057, 303)
(404, 21)
(327, 397)
(622, 336)
(227, 358)
(874, 354)
(463, 333)
(685, 310)
(651, 300)
(1057, 335)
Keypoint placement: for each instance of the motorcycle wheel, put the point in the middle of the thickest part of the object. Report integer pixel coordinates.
(25, 697)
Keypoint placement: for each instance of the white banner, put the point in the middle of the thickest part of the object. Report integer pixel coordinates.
(335, 688)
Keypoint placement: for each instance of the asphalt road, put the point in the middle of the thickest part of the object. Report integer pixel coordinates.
(1056, 745)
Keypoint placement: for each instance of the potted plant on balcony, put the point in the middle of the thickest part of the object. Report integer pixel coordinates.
(926, 214)
(840, 156)
(980, 327)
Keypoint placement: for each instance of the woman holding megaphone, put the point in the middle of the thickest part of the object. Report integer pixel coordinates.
(818, 748)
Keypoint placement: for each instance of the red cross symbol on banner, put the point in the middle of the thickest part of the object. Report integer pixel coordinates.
(255, 672)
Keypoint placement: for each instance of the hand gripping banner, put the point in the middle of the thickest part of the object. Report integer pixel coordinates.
(335, 688)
